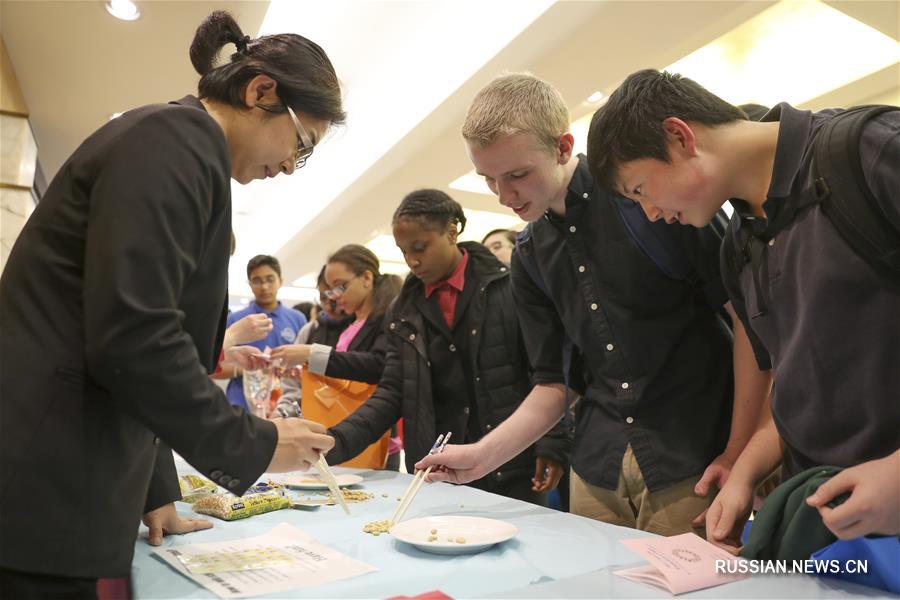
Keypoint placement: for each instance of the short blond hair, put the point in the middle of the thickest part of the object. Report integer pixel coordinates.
(513, 103)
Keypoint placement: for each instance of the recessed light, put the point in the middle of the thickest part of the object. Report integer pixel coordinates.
(595, 97)
(123, 9)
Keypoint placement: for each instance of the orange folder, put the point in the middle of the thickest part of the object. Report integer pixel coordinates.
(329, 401)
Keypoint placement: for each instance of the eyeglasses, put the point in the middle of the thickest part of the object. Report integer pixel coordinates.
(261, 281)
(338, 290)
(305, 146)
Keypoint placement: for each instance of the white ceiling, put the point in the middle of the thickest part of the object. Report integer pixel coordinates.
(76, 66)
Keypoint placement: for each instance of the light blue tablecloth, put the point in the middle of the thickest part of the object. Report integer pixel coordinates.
(561, 553)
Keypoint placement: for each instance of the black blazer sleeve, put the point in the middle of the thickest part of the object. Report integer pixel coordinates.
(150, 209)
(164, 487)
(377, 414)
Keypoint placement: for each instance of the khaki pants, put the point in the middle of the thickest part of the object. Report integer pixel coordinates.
(631, 504)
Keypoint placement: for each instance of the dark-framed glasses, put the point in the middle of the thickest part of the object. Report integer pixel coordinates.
(338, 290)
(305, 146)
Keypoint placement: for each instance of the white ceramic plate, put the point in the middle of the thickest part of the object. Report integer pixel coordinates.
(313, 481)
(479, 533)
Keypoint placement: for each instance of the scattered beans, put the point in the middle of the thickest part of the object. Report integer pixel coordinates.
(377, 527)
(354, 496)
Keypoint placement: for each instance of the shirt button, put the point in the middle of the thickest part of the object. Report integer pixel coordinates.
(581, 268)
(466, 410)
(502, 269)
(572, 228)
(452, 348)
(215, 474)
(234, 483)
(393, 326)
(772, 242)
(610, 347)
(629, 420)
(585, 195)
(478, 379)
(499, 474)
(625, 385)
(593, 306)
(474, 332)
(412, 337)
(488, 427)
(428, 363)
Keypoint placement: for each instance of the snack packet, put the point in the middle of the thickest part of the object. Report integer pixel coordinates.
(259, 499)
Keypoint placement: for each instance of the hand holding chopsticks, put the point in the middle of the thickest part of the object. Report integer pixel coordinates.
(439, 444)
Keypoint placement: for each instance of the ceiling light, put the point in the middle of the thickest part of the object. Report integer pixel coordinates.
(794, 51)
(123, 9)
(595, 97)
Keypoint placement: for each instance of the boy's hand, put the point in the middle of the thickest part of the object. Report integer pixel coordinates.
(547, 474)
(874, 502)
(727, 515)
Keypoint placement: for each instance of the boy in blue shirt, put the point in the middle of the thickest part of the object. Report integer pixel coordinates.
(264, 275)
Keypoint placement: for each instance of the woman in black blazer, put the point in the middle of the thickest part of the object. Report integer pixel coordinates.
(113, 311)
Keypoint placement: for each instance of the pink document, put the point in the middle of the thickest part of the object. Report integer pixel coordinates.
(681, 563)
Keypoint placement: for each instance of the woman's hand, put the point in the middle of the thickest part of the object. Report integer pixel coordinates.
(292, 354)
(247, 358)
(249, 329)
(165, 521)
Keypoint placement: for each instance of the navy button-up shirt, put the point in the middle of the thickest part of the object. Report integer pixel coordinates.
(653, 352)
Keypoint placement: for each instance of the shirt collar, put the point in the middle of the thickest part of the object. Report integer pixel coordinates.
(793, 133)
(579, 190)
(259, 309)
(456, 280)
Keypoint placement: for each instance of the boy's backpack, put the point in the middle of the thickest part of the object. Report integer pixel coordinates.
(841, 188)
(655, 238)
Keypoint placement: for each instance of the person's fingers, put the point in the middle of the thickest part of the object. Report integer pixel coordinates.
(189, 525)
(733, 549)
(156, 533)
(702, 487)
(840, 483)
(844, 516)
(713, 516)
(845, 530)
(554, 474)
(436, 475)
(700, 520)
(315, 427)
(432, 460)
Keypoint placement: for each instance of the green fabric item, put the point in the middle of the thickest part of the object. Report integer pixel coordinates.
(786, 527)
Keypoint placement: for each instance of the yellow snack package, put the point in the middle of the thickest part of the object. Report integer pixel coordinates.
(261, 498)
(194, 487)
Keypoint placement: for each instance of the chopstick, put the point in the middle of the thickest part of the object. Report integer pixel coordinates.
(439, 444)
(333, 486)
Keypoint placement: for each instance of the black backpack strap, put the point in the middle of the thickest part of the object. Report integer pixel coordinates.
(851, 206)
(655, 239)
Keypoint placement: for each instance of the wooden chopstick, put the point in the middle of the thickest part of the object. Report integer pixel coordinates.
(439, 444)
